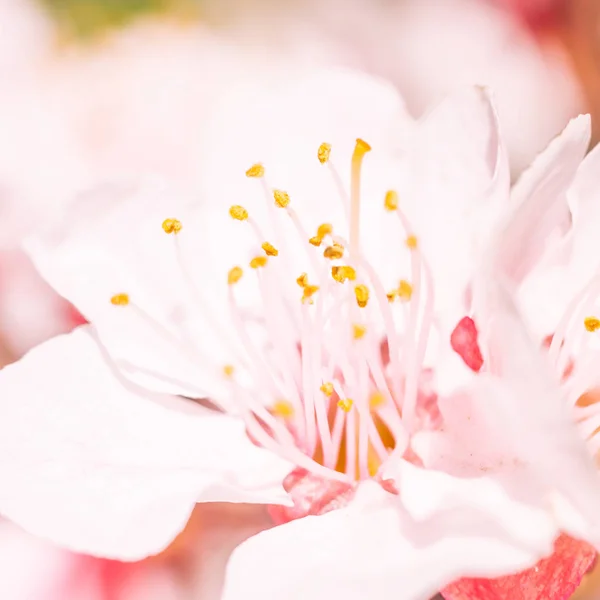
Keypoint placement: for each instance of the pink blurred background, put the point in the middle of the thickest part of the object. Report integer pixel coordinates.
(99, 89)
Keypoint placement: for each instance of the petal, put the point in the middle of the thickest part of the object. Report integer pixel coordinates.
(111, 242)
(30, 310)
(540, 201)
(460, 181)
(515, 422)
(553, 578)
(374, 549)
(584, 197)
(96, 465)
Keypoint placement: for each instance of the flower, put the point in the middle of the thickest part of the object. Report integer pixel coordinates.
(298, 353)
(544, 252)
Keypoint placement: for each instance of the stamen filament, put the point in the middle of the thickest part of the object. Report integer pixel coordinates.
(360, 149)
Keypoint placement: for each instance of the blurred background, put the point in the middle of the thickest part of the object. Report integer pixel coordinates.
(96, 89)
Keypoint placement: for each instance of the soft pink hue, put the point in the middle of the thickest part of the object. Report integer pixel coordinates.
(476, 477)
(432, 48)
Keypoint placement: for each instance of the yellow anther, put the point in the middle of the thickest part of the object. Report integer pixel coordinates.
(309, 292)
(171, 226)
(377, 399)
(324, 152)
(324, 229)
(302, 280)
(282, 199)
(340, 274)
(283, 409)
(334, 252)
(391, 296)
(258, 261)
(327, 388)
(228, 370)
(234, 275)
(120, 300)
(362, 295)
(591, 323)
(345, 404)
(269, 249)
(238, 212)
(256, 170)
(412, 242)
(362, 147)
(391, 200)
(405, 290)
(358, 331)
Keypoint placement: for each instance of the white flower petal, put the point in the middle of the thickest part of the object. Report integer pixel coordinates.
(100, 467)
(374, 549)
(540, 201)
(528, 410)
(584, 199)
(111, 242)
(460, 178)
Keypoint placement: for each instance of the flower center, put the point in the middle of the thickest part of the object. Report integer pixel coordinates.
(333, 381)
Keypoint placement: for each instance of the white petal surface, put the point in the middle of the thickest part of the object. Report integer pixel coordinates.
(103, 468)
(374, 548)
(527, 413)
(540, 200)
(459, 182)
(111, 242)
(584, 199)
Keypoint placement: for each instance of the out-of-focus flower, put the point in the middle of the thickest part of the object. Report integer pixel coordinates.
(192, 566)
(536, 13)
(432, 48)
(317, 359)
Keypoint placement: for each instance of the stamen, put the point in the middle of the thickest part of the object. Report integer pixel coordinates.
(360, 149)
(120, 300)
(302, 280)
(324, 229)
(171, 226)
(258, 261)
(376, 400)
(234, 275)
(334, 252)
(405, 290)
(391, 200)
(391, 296)
(362, 295)
(342, 273)
(283, 409)
(358, 331)
(412, 242)
(256, 170)
(309, 292)
(282, 199)
(327, 389)
(345, 404)
(228, 370)
(592, 323)
(324, 152)
(269, 249)
(238, 212)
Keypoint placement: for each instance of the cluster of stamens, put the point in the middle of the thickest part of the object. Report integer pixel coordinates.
(337, 388)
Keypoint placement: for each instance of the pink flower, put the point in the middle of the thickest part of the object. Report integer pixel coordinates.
(309, 322)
